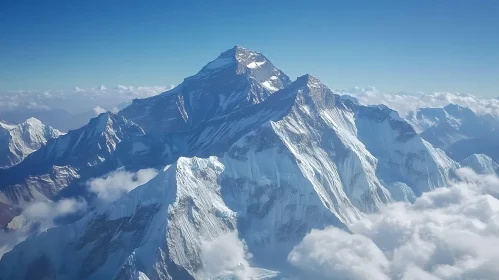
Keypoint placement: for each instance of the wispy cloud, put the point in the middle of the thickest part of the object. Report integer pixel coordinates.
(119, 182)
(77, 100)
(37, 217)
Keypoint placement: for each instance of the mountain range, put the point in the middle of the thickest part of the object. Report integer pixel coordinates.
(458, 130)
(240, 148)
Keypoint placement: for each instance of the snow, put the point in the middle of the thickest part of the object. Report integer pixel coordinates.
(268, 85)
(481, 164)
(219, 63)
(23, 139)
(255, 64)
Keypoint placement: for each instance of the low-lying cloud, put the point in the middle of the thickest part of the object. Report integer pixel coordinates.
(119, 182)
(405, 103)
(226, 255)
(37, 217)
(448, 233)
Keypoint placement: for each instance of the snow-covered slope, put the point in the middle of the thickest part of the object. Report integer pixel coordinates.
(481, 164)
(20, 140)
(303, 158)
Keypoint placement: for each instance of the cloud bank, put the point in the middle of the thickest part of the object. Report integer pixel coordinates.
(405, 103)
(119, 182)
(77, 100)
(70, 109)
(448, 233)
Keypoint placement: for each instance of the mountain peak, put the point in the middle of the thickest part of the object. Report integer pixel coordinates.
(310, 82)
(458, 111)
(237, 78)
(236, 50)
(308, 79)
(33, 121)
(240, 56)
(452, 106)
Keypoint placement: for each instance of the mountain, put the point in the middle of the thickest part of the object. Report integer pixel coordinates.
(17, 141)
(85, 152)
(443, 127)
(487, 144)
(481, 164)
(59, 119)
(241, 147)
(458, 131)
(237, 79)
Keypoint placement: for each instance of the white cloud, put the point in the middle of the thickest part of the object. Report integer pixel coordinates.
(119, 182)
(37, 217)
(405, 102)
(332, 251)
(47, 211)
(226, 255)
(448, 233)
(99, 110)
(77, 100)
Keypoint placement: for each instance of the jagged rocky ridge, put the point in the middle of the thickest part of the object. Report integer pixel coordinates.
(17, 141)
(245, 149)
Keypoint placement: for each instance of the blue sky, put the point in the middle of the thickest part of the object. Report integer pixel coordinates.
(392, 45)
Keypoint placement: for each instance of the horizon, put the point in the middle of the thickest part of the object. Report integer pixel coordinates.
(419, 47)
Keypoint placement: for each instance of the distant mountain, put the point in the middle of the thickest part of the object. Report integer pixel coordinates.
(57, 118)
(241, 147)
(445, 126)
(17, 141)
(486, 144)
(458, 130)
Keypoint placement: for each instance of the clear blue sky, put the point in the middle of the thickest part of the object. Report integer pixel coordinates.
(393, 45)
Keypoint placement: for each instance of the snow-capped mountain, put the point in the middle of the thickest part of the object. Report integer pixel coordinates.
(17, 141)
(445, 126)
(84, 152)
(458, 130)
(241, 148)
(236, 79)
(481, 164)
